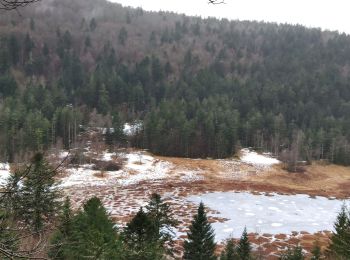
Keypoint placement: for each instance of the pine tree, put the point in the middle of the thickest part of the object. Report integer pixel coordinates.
(160, 215)
(316, 252)
(244, 247)
(141, 240)
(229, 252)
(60, 237)
(293, 254)
(123, 36)
(200, 244)
(38, 195)
(93, 235)
(66, 218)
(340, 241)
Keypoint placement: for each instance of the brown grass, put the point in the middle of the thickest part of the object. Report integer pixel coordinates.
(317, 179)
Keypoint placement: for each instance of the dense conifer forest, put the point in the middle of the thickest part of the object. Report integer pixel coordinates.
(201, 87)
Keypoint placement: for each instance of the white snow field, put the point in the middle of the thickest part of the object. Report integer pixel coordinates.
(255, 159)
(269, 214)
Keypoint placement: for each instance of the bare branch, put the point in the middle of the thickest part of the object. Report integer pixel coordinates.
(14, 4)
(216, 2)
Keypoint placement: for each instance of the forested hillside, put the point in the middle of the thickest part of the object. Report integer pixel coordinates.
(202, 87)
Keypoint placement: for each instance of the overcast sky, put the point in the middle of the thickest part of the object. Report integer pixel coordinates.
(326, 14)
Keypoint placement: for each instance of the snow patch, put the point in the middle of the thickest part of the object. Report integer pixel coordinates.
(260, 160)
(130, 129)
(4, 173)
(138, 167)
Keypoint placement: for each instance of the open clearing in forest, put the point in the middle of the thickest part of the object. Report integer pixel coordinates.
(253, 190)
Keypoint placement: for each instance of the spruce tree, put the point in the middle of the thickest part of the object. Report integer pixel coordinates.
(38, 195)
(200, 244)
(63, 233)
(316, 252)
(293, 254)
(141, 238)
(340, 241)
(161, 217)
(229, 252)
(244, 247)
(93, 235)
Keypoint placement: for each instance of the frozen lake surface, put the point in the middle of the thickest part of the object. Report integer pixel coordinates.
(269, 214)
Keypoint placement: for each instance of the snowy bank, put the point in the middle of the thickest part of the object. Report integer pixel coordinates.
(269, 214)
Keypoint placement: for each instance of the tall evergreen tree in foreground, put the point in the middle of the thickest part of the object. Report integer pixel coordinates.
(340, 241)
(38, 194)
(88, 235)
(162, 219)
(149, 233)
(64, 231)
(32, 197)
(140, 238)
(200, 244)
(244, 247)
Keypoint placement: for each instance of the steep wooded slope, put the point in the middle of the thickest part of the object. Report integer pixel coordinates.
(202, 86)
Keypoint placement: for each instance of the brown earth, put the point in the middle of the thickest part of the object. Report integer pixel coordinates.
(316, 180)
(224, 175)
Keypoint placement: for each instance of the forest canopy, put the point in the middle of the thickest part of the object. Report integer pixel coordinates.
(201, 87)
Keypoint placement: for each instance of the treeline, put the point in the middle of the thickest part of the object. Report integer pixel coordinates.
(36, 223)
(202, 87)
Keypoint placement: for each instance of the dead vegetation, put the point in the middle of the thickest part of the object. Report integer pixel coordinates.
(316, 179)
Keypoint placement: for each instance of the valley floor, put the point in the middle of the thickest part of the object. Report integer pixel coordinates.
(280, 209)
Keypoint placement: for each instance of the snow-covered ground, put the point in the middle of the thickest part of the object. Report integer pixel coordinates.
(269, 214)
(130, 129)
(259, 160)
(142, 167)
(4, 173)
(138, 167)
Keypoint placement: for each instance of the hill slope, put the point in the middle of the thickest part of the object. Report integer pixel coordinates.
(202, 87)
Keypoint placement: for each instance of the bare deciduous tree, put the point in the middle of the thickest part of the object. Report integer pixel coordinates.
(215, 2)
(14, 4)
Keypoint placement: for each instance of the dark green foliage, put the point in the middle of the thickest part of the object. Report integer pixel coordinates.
(340, 241)
(244, 247)
(293, 254)
(14, 49)
(200, 244)
(141, 238)
(148, 232)
(123, 36)
(60, 238)
(37, 196)
(230, 252)
(90, 234)
(93, 24)
(316, 252)
(224, 84)
(161, 217)
(8, 85)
